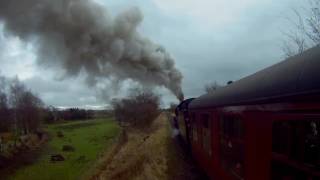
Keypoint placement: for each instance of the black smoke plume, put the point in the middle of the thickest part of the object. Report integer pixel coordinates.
(80, 36)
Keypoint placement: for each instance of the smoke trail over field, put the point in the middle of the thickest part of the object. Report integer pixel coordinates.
(79, 35)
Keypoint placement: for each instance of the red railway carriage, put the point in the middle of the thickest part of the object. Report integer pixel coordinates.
(265, 126)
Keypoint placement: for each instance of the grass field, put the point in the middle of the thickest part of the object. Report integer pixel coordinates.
(149, 154)
(89, 138)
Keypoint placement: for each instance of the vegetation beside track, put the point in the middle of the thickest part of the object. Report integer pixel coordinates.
(89, 139)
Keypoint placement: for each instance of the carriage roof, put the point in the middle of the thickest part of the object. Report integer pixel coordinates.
(297, 75)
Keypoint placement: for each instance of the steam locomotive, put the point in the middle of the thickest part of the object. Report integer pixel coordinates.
(264, 126)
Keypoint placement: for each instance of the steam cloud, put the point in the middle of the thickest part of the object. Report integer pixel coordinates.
(80, 36)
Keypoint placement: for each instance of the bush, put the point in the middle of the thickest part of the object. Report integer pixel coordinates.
(138, 110)
(172, 107)
(68, 148)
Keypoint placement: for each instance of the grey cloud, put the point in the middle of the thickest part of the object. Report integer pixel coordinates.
(65, 93)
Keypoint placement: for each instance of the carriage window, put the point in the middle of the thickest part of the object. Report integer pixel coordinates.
(232, 147)
(206, 134)
(192, 117)
(297, 141)
(194, 127)
(232, 127)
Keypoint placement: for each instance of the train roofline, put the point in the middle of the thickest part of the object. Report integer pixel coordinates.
(294, 76)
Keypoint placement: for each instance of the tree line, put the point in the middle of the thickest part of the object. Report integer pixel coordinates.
(20, 108)
(52, 114)
(22, 111)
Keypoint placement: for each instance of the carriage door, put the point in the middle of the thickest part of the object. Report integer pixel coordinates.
(296, 147)
(206, 134)
(232, 145)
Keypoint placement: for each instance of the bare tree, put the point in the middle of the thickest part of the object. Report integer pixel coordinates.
(16, 91)
(139, 109)
(26, 108)
(5, 123)
(211, 87)
(313, 22)
(50, 114)
(30, 107)
(306, 32)
(172, 107)
(4, 109)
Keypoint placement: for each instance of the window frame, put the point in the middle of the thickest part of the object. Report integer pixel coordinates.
(232, 145)
(206, 132)
(288, 158)
(194, 128)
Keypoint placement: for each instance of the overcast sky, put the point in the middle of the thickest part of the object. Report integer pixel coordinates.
(210, 40)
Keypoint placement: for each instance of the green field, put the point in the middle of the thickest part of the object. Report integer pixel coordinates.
(89, 138)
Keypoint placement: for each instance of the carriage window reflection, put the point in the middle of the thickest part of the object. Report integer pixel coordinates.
(194, 127)
(232, 146)
(295, 143)
(206, 133)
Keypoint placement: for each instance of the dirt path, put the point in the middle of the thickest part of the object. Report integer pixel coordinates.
(147, 155)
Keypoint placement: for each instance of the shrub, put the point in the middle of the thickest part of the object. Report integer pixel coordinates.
(138, 110)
